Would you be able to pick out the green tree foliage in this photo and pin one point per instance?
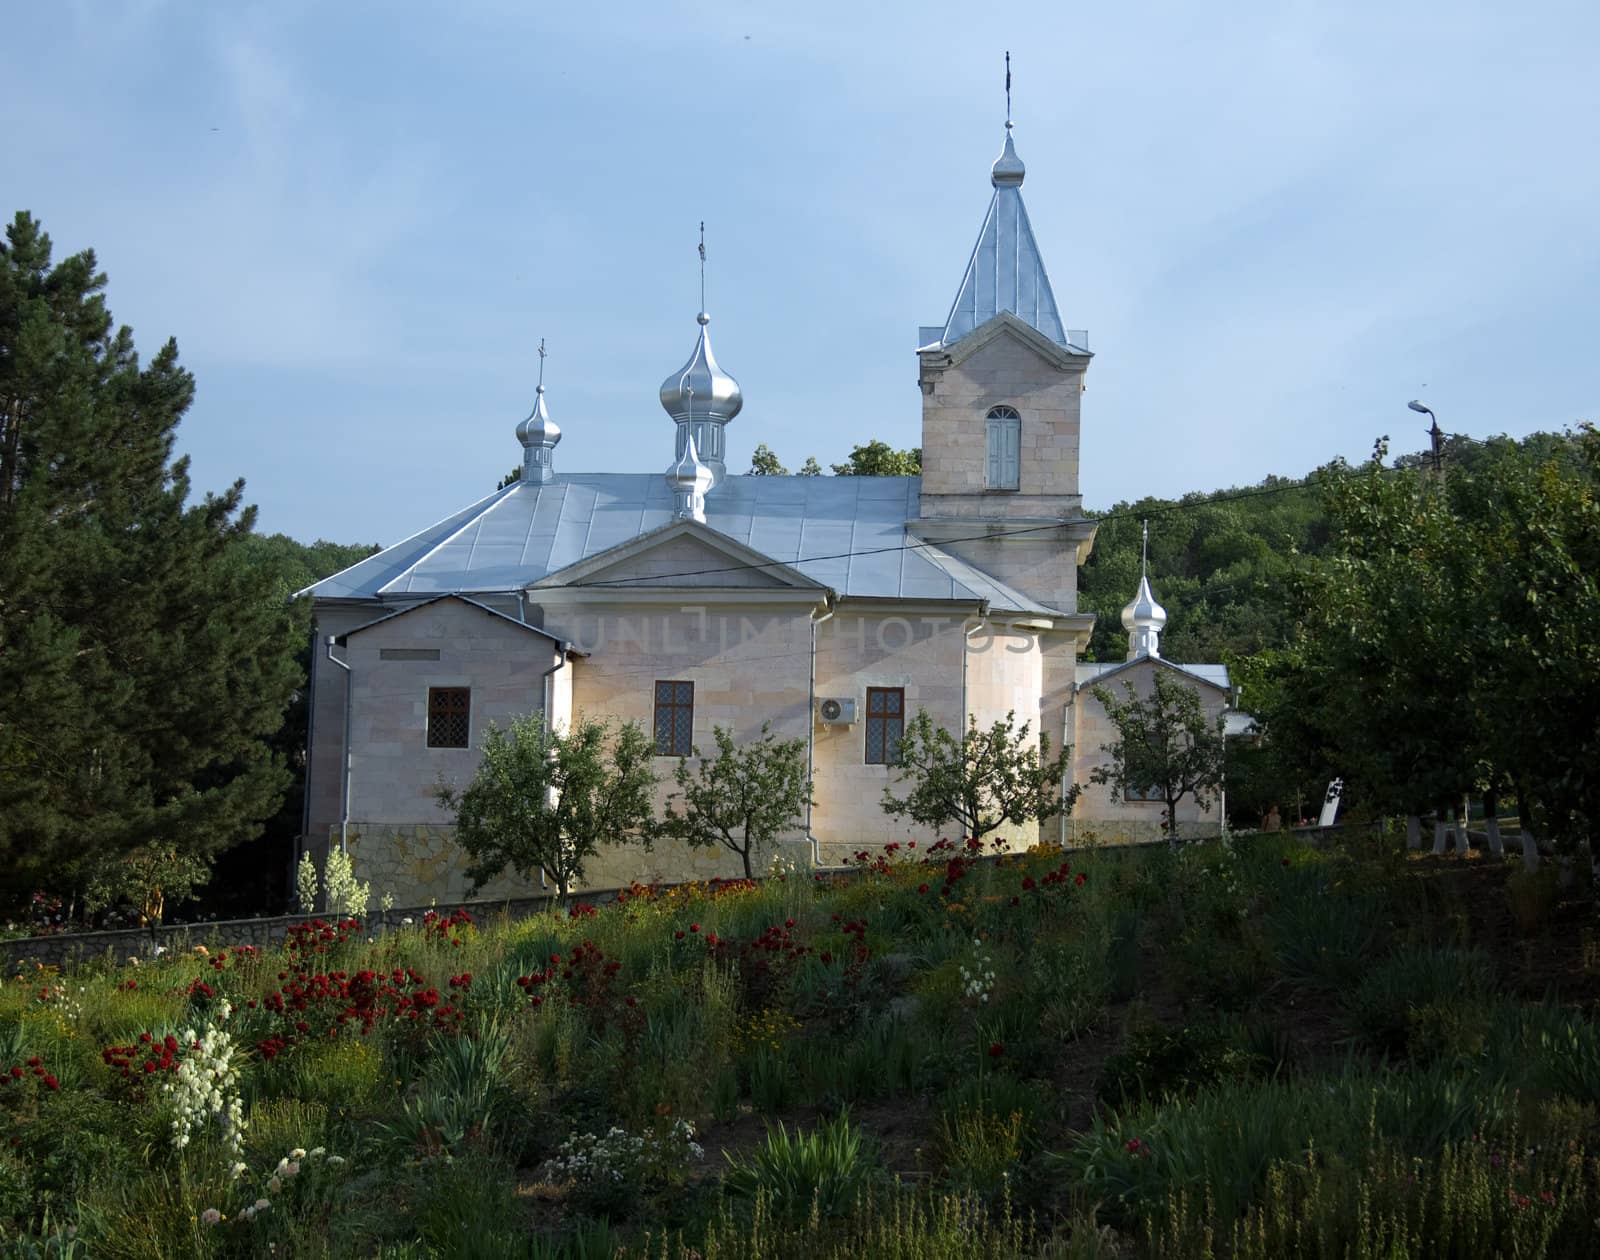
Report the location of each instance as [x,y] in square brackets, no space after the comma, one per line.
[983,780]
[764,463]
[549,799]
[1219,562]
[143,669]
[1164,743]
[1447,644]
[879,459]
[743,798]
[811,468]
[250,877]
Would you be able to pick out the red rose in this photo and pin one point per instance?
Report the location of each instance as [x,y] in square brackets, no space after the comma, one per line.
[996,1050]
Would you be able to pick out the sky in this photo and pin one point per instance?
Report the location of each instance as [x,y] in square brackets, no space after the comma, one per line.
[1278,221]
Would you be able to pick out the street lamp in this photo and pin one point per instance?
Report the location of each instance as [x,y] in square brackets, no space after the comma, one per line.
[1435,434]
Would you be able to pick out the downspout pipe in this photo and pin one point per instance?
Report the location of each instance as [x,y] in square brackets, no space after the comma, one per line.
[344,784]
[549,679]
[979,618]
[811,737]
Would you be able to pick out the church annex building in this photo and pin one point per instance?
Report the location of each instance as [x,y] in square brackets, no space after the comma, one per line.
[830,607]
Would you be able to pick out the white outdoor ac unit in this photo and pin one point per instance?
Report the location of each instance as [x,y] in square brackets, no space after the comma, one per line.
[836,710]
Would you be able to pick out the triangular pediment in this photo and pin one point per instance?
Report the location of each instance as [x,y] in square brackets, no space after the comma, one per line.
[1159,662]
[1007,326]
[682,554]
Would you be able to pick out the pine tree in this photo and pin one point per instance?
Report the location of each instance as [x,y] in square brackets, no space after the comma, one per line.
[143,666]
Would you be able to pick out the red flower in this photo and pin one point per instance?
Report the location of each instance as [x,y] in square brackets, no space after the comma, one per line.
[35,1061]
[827,957]
[996,1050]
[922,888]
[694,927]
[1080,880]
[17,1072]
[50,1082]
[678,935]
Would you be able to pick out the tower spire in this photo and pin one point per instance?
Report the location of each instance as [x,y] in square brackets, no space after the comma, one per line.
[1006,271]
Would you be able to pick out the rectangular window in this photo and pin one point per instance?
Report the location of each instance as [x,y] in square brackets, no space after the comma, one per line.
[449,711]
[674,719]
[886,722]
[408,654]
[1151,793]
[1003,465]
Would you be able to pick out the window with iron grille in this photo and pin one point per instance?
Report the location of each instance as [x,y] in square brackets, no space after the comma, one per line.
[886,722]
[674,719]
[449,711]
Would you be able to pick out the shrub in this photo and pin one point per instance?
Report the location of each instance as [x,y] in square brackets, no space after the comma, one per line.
[824,1172]
[1425,1000]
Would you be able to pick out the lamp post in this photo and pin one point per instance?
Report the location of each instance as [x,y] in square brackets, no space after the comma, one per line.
[1435,434]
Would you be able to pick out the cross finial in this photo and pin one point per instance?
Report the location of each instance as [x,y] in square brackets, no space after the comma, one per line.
[541,362]
[1008,90]
[702,264]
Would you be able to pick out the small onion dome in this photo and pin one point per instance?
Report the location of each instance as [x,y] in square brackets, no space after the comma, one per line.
[538,435]
[700,390]
[1008,169]
[1143,612]
[689,479]
[539,429]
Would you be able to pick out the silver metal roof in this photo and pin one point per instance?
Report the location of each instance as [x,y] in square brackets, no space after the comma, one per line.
[1006,271]
[846,533]
[1091,672]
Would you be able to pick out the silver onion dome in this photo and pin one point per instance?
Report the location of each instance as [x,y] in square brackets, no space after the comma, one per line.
[1143,619]
[700,386]
[689,479]
[1008,170]
[539,435]
[702,397]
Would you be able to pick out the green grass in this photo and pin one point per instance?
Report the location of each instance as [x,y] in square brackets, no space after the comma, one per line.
[1243,1049]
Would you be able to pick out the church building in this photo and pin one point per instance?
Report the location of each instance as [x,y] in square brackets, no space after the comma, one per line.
[832,608]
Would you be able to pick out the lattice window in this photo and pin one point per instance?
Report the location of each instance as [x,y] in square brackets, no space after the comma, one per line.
[886,722]
[449,716]
[674,719]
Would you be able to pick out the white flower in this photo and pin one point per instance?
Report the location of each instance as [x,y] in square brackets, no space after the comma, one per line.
[293,1169]
[238,1170]
[317,1152]
[335,1160]
[210,1217]
[261,1205]
[274,1186]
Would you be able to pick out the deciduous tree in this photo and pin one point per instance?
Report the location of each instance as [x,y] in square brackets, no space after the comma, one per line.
[1164,743]
[985,779]
[544,799]
[743,798]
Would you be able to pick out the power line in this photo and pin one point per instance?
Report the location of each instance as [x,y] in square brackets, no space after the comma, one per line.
[1221,496]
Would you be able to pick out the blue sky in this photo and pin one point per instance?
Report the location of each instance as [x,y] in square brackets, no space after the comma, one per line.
[1278,221]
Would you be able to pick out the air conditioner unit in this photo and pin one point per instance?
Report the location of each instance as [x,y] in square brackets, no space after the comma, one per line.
[836,711]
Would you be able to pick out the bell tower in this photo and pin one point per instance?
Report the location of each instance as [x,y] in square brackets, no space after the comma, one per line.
[1001,383]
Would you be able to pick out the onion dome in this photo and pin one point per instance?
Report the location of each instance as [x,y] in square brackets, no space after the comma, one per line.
[702,396]
[689,479]
[1143,619]
[1008,170]
[538,435]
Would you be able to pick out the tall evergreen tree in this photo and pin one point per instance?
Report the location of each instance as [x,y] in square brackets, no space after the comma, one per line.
[142,669]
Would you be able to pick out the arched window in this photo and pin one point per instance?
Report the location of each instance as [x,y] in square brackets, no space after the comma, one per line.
[1003,467]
